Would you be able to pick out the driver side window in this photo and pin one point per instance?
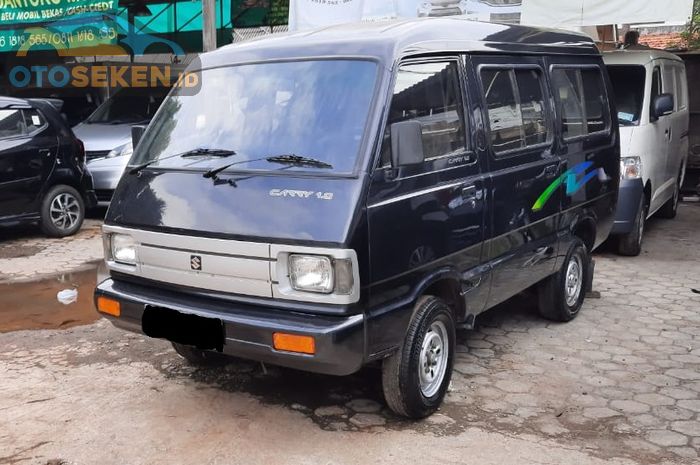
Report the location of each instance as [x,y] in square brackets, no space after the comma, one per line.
[430,94]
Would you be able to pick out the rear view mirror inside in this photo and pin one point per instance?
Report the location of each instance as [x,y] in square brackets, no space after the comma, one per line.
[406,144]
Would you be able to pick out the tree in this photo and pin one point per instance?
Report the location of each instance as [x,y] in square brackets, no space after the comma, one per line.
[691,34]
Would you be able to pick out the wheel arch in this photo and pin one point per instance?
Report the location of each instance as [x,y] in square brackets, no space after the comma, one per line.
[445,285]
[586,230]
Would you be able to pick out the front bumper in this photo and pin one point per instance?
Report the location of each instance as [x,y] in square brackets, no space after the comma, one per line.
[106,172]
[339,341]
[631,193]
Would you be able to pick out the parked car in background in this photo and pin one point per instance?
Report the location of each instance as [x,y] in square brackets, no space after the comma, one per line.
[107,134]
[651,94]
[331,211]
[78,103]
[441,7]
[43,177]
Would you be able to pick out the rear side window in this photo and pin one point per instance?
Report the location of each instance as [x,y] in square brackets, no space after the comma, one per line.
[11,123]
[33,120]
[516,109]
[430,94]
[582,101]
[681,88]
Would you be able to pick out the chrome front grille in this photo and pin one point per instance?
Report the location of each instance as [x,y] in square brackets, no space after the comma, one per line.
[219,265]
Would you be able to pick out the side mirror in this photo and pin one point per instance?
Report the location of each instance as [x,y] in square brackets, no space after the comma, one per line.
[136,134]
[406,144]
[662,105]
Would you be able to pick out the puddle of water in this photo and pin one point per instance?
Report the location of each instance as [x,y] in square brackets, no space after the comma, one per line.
[34,305]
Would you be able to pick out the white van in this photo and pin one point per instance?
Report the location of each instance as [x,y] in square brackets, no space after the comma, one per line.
[651,95]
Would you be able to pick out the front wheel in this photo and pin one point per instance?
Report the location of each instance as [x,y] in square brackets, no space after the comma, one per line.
[416,377]
[62,211]
[630,244]
[561,295]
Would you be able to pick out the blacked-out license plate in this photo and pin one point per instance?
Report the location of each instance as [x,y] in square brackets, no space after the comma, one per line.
[183,328]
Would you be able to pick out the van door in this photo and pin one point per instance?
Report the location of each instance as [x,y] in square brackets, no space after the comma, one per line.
[522,241]
[588,141]
[658,142]
[678,145]
[426,218]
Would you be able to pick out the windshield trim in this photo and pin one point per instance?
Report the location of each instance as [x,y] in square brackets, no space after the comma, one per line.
[365,149]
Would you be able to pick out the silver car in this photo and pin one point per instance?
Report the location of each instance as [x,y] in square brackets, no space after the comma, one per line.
[107,135]
[441,8]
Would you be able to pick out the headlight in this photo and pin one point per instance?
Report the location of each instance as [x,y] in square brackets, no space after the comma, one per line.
[311,273]
[123,249]
[122,151]
[630,168]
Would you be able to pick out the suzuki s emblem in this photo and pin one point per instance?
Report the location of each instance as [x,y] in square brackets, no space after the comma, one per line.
[196,262]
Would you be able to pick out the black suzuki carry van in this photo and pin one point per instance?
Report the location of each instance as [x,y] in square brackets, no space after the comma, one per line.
[354,195]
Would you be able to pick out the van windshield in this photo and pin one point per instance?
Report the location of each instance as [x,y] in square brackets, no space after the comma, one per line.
[270,115]
[628,84]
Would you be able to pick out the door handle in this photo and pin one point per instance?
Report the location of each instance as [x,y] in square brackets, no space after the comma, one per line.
[469,193]
[551,171]
[544,251]
[45,151]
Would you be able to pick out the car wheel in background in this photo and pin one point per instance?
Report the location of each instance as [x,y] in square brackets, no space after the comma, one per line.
[62,211]
[561,295]
[630,244]
[416,377]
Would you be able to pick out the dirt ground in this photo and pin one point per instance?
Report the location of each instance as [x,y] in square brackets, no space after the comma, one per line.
[619,385]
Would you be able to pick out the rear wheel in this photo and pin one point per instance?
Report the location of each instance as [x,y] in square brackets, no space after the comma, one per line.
[62,211]
[199,357]
[630,244]
[561,295]
[416,377]
[670,208]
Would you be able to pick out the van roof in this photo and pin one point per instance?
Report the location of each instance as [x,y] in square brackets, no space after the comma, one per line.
[637,57]
[388,40]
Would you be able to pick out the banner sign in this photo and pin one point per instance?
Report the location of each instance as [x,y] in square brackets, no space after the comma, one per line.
[257,13]
[577,13]
[55,24]
[308,14]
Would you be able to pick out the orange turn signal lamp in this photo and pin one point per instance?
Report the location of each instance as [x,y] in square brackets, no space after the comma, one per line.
[109,306]
[294,343]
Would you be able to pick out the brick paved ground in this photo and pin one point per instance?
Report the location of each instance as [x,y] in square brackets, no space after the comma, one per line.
[620,384]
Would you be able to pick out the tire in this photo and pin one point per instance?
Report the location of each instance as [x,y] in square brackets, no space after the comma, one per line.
[408,392]
[562,294]
[670,208]
[630,244]
[62,211]
[200,358]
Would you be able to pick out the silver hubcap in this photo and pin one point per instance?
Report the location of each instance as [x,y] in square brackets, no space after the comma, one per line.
[64,211]
[433,359]
[574,280]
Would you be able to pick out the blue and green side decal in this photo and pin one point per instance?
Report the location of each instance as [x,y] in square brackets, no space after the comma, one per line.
[570,178]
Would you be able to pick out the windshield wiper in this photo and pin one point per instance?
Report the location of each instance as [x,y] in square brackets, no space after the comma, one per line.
[294,160]
[198,152]
[299,160]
